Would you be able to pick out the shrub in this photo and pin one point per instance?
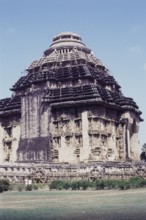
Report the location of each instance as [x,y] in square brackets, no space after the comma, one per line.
[75,185]
[28,188]
[35,186]
[121,185]
[111,184]
[66,185]
[59,184]
[99,184]
[143,182]
[20,188]
[84,184]
[127,184]
[56,184]
[1,188]
[136,182]
[5,184]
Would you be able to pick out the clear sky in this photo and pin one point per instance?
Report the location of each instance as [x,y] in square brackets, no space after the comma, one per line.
[114,29]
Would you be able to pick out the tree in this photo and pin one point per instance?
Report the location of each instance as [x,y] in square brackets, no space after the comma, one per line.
[143,154]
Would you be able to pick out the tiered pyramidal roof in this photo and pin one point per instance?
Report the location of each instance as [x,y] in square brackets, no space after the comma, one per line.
[77,75]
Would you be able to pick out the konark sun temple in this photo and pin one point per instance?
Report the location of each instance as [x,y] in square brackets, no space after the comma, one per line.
[67,117]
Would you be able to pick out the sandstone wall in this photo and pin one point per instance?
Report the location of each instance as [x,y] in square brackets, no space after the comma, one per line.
[9,139]
[132,135]
[16,172]
[88,134]
[34,141]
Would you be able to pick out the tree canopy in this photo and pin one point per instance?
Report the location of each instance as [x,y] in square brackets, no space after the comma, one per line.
[143,154]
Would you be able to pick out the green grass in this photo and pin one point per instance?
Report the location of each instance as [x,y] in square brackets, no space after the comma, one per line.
[73,205]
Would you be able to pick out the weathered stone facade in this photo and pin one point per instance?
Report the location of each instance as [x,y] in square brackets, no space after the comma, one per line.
[68,109]
[42,173]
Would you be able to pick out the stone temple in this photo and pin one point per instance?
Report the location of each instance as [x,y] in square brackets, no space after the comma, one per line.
[68,109]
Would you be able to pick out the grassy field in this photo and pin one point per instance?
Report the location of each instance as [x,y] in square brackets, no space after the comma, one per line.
[77,205]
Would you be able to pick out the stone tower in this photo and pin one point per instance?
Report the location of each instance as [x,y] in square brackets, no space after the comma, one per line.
[68,108]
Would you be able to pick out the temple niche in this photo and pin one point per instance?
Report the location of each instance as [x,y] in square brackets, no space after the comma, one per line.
[68,108]
[9,138]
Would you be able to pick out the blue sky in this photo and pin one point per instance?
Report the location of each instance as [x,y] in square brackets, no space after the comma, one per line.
[114,29]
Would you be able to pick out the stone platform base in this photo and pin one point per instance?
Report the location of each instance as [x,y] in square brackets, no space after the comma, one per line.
[42,173]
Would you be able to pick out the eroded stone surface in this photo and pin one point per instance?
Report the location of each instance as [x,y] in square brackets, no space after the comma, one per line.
[68,109]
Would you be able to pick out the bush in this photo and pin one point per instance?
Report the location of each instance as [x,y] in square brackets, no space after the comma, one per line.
[99,184]
[66,185]
[20,188]
[35,186]
[59,185]
[75,185]
[56,184]
[127,184]
[84,184]
[28,188]
[111,184]
[1,188]
[121,184]
[5,184]
[143,182]
[136,182]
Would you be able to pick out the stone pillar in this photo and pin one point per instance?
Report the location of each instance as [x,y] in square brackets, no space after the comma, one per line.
[85,151]
[1,143]
[128,139]
[15,143]
[134,141]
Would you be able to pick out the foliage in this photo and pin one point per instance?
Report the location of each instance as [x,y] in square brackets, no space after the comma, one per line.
[5,184]
[143,154]
[1,188]
[28,188]
[122,184]
[111,184]
[84,184]
[56,184]
[75,185]
[144,147]
[99,184]
[35,186]
[137,182]
[20,187]
[66,185]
